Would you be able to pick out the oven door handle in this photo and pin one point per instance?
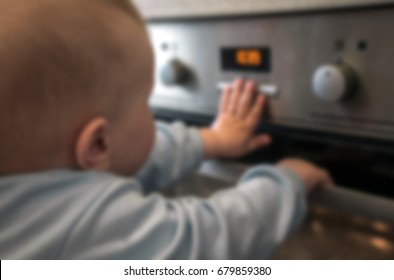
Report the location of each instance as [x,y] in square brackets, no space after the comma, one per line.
[343,199]
[355,202]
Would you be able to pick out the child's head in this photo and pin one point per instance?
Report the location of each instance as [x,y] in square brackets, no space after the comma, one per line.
[75,77]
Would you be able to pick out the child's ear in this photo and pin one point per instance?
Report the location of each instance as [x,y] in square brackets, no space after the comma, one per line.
[92,150]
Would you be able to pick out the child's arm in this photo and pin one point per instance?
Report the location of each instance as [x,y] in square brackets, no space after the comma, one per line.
[246,222]
[179,150]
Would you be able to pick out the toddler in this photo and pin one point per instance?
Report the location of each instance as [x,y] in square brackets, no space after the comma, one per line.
[81,160]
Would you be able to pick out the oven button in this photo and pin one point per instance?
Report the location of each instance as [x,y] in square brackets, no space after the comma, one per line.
[174,72]
[334,83]
[270,90]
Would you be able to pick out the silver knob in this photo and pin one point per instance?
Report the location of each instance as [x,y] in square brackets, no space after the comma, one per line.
[174,72]
[333,83]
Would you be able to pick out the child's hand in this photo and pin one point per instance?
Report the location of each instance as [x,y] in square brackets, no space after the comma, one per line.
[232,134]
[312,176]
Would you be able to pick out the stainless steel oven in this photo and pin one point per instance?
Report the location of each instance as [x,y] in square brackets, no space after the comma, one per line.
[326,66]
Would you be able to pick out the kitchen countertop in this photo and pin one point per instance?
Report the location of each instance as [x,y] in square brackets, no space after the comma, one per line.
[325,233]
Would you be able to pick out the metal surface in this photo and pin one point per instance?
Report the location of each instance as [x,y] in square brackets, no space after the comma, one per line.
[300,44]
[162,9]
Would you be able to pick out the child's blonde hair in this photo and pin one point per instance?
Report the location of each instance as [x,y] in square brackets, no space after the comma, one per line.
[59,61]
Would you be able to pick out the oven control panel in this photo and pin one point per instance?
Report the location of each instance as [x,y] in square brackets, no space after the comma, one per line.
[322,71]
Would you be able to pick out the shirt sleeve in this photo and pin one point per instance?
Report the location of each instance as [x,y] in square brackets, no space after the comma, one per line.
[246,222]
[178,151]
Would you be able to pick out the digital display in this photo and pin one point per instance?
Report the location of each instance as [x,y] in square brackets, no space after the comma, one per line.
[246,59]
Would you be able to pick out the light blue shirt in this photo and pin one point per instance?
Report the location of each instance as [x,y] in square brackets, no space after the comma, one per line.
[64,214]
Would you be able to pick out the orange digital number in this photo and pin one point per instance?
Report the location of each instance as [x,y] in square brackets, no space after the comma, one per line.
[249,57]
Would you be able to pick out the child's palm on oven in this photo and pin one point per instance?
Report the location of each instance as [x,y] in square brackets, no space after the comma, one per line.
[233,132]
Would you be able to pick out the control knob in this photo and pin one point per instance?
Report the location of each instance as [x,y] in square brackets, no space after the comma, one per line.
[334,83]
[174,72]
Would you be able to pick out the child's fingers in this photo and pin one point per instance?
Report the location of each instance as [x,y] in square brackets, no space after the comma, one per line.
[327,180]
[259,141]
[256,111]
[246,100]
[225,99]
[236,95]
